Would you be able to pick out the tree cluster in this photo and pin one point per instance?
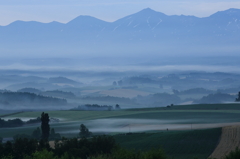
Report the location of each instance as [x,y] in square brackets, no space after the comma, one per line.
[30,149]
[94,107]
[37,146]
[11,123]
[73,148]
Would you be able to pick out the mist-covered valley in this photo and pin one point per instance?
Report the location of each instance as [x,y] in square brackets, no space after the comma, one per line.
[70,89]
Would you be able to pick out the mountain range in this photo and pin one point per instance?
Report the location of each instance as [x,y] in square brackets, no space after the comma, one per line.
[143,33]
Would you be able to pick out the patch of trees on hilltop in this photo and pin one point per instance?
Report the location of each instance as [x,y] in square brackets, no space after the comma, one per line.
[158,99]
[58,93]
[17,122]
[193,91]
[96,107]
[109,99]
[24,98]
[52,93]
[30,90]
[216,98]
[11,123]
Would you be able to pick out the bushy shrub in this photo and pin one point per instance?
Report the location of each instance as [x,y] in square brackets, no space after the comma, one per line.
[234,154]
[44,154]
[132,154]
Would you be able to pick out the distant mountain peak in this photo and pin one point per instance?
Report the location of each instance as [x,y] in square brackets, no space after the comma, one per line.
[233,10]
[83,19]
[229,12]
[147,11]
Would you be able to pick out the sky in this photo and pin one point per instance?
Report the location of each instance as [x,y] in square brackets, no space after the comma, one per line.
[108,10]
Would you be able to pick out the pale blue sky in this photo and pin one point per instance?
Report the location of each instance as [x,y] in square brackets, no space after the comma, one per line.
[108,10]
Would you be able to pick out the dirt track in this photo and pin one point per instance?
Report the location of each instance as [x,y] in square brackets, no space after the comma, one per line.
[230,139]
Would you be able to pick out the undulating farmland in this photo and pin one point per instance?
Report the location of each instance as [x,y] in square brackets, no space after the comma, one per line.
[134,120]
[182,131]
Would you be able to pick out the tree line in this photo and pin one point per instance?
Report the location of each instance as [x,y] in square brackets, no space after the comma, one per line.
[95,147]
[96,107]
[17,98]
[17,122]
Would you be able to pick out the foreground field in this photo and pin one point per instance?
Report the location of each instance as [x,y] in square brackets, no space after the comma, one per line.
[176,144]
[182,131]
[134,120]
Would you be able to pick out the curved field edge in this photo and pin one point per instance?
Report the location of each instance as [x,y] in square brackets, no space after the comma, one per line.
[176,144]
[230,139]
[125,119]
[90,115]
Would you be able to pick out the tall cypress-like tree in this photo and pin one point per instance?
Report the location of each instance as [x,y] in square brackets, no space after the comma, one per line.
[45,126]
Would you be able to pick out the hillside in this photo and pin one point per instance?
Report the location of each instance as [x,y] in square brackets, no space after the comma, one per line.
[20,100]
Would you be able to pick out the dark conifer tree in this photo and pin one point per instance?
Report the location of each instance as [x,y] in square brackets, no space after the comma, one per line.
[45,126]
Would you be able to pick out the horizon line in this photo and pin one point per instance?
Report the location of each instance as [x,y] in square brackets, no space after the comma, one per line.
[114,20]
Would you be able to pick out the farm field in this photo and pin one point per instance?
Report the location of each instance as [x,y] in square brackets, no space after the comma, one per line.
[134,120]
[229,141]
[7,112]
[176,144]
[227,106]
[182,131]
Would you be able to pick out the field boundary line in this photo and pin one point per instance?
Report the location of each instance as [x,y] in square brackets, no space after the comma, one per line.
[230,139]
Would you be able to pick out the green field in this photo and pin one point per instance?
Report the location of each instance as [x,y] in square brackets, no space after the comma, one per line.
[176,144]
[182,131]
[229,106]
[138,120]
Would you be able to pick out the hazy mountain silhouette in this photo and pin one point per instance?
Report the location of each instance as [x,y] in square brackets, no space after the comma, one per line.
[145,31]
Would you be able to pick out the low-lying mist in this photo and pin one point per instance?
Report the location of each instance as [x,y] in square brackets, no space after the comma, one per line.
[139,125]
[65,84]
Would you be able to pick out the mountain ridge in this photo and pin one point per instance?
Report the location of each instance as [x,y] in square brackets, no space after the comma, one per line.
[145,9]
[141,32]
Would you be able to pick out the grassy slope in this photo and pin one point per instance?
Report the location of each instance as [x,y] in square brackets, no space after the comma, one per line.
[228,106]
[176,144]
[76,115]
[187,114]
[187,117]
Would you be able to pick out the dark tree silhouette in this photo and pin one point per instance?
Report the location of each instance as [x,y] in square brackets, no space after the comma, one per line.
[54,136]
[84,132]
[238,99]
[36,134]
[45,126]
[117,106]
